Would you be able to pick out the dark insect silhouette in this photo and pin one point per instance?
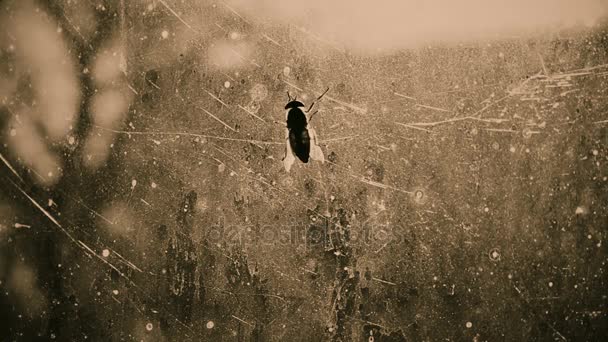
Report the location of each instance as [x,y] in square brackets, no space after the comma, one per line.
[301,138]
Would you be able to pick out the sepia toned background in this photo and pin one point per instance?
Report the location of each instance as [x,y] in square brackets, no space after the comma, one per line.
[463,197]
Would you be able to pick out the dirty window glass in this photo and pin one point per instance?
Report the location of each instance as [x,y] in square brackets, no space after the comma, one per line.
[178,170]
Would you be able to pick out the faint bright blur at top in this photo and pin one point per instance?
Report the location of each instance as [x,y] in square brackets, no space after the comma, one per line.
[370,26]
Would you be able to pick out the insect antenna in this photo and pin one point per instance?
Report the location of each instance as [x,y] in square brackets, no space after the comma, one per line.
[318,98]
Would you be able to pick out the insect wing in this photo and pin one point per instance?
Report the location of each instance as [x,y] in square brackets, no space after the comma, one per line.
[289,158]
[315,150]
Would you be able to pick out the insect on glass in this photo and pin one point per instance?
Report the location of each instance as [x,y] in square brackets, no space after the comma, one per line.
[300,137]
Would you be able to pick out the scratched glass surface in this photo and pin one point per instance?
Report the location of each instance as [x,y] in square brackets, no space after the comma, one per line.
[460,192]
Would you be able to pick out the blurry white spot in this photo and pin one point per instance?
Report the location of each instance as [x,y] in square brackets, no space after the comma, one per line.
[221,168]
[50,174]
[11,47]
[486,209]
[512,149]
[527,150]
[133,184]
[580,210]
[419,196]
[227,84]
[71,140]
[494,255]
[19,225]
[117,218]
[232,54]
[109,63]
[235,35]
[21,283]
[286,71]
[13,132]
[595,152]
[165,34]
[469,325]
[258,92]
[153,185]
[149,326]
[30,147]
[232,173]
[105,253]
[435,278]
[501,55]
[550,284]
[589,236]
[108,108]
[253,106]
[510,276]
[115,292]
[210,325]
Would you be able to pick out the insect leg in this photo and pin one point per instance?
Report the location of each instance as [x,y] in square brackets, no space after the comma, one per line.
[318,98]
[311,115]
